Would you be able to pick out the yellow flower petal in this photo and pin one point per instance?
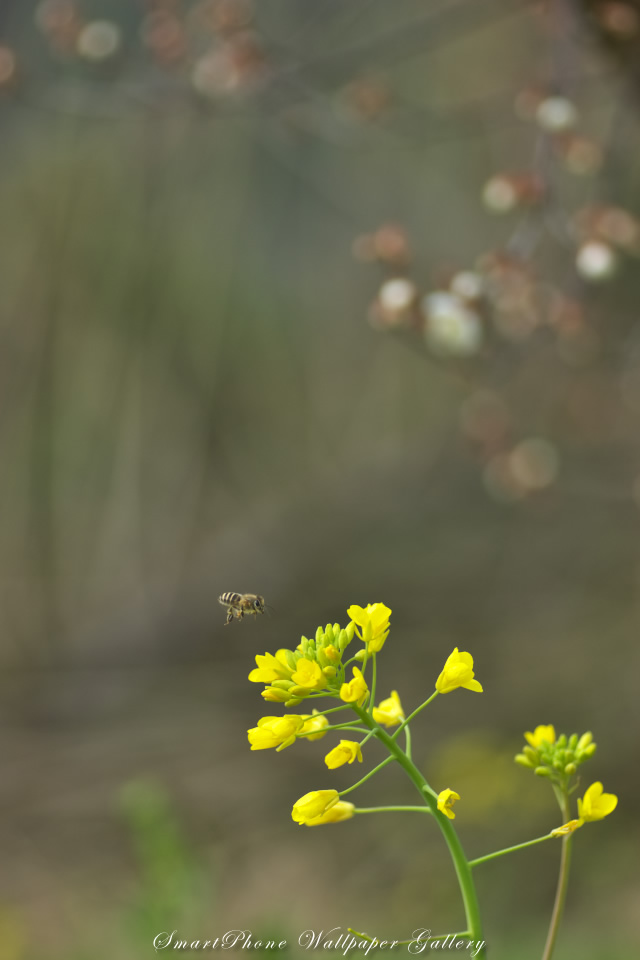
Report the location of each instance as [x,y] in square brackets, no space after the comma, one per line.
[342,810]
[446,799]
[314,727]
[541,734]
[458,672]
[278,732]
[389,712]
[313,805]
[595,805]
[373,624]
[356,690]
[308,675]
[566,828]
[346,752]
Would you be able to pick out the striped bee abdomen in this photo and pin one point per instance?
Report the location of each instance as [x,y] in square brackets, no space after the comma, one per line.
[229,598]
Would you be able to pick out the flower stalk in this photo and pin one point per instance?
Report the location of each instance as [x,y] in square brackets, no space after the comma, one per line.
[317,667]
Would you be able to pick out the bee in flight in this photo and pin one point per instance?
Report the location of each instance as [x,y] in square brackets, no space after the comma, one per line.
[238,604]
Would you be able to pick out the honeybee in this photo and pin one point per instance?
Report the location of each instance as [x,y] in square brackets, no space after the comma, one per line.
[238,604]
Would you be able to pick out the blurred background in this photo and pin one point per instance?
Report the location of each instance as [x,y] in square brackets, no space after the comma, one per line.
[336,303]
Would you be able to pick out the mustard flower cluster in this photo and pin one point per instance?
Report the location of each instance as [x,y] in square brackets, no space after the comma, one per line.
[315,665]
[317,668]
[558,759]
[555,758]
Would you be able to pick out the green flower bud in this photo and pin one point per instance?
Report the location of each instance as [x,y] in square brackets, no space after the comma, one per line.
[573,741]
[328,634]
[523,761]
[558,764]
[351,629]
[343,641]
[585,740]
[291,659]
[319,633]
[299,692]
[322,658]
[282,684]
[570,769]
[336,629]
[329,671]
[360,655]
[590,750]
[569,756]
[543,772]
[561,741]
[293,702]
[532,754]
[304,646]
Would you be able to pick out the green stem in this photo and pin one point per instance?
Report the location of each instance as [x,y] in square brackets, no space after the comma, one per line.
[407,742]
[336,726]
[461,865]
[394,809]
[414,714]
[374,679]
[323,713]
[500,853]
[563,882]
[368,775]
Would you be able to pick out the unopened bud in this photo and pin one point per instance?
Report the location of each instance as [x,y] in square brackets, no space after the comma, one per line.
[523,761]
[360,655]
[585,740]
[273,695]
[543,772]
[570,769]
[292,663]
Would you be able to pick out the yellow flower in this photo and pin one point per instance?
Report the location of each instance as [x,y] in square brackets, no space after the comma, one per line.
[389,711]
[356,690]
[313,805]
[342,810]
[373,621]
[308,675]
[446,799]
[540,735]
[595,804]
[279,732]
[314,727]
[567,828]
[271,668]
[458,672]
[346,752]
